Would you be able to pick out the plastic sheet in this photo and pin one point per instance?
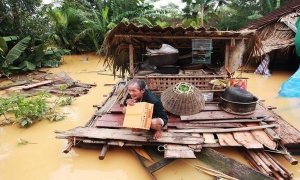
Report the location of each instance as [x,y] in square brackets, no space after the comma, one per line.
[165,49]
[290,88]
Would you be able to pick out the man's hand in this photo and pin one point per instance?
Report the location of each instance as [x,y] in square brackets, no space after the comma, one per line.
[130,102]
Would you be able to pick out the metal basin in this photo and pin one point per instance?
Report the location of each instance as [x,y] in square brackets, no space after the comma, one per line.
[238,107]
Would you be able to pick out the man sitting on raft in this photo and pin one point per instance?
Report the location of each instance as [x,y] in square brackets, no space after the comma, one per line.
[138,93]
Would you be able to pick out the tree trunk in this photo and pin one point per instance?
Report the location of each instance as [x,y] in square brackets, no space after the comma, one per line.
[16,16]
[202,14]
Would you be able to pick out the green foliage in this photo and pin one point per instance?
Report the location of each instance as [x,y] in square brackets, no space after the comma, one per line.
[6,104]
[22,57]
[27,111]
[17,50]
[22,142]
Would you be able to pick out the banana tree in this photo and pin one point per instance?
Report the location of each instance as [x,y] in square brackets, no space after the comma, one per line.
[21,57]
[7,61]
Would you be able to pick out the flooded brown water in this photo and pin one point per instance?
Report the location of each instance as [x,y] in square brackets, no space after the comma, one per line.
[45,160]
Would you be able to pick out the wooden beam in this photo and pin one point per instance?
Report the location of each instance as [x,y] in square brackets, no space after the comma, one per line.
[229,166]
[140,159]
[219,130]
[129,135]
[160,164]
[37,84]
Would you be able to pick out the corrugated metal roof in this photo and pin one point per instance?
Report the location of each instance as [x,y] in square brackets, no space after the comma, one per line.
[275,15]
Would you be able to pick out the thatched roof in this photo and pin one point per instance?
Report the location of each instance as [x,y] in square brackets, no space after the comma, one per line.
[116,44]
[276,30]
[273,16]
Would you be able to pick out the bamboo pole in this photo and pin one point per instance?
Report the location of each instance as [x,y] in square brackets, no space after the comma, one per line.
[262,164]
[277,175]
[265,160]
[291,175]
[274,165]
[253,163]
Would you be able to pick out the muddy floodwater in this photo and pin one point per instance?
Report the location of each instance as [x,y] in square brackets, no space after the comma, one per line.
[43,159]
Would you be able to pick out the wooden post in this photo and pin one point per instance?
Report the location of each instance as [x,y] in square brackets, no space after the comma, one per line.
[227,56]
[131,68]
[103,151]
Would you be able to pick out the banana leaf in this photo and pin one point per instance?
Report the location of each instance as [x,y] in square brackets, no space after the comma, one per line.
[27,66]
[11,38]
[3,45]
[17,50]
[40,52]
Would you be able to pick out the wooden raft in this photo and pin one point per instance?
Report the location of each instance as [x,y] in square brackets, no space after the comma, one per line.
[217,122]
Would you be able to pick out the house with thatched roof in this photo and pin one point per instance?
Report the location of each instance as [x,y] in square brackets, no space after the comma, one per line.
[276,31]
[203,54]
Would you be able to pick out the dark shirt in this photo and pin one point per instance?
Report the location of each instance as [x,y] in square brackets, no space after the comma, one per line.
[158,110]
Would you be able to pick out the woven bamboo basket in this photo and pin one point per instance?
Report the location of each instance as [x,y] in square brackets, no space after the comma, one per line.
[183,99]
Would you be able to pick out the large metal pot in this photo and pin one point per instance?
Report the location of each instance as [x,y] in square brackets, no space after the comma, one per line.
[237,94]
[238,107]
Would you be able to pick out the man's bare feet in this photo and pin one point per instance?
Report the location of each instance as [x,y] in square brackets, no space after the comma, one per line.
[157,134]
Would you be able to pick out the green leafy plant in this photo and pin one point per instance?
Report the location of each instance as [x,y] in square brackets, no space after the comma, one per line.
[29,110]
[66,101]
[5,106]
[22,142]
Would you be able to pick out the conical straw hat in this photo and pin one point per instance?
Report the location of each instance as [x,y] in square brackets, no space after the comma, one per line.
[183,99]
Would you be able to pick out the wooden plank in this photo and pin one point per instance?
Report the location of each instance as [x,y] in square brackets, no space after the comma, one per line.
[37,84]
[226,139]
[229,166]
[205,115]
[211,107]
[220,130]
[10,85]
[141,160]
[178,151]
[111,117]
[160,164]
[209,138]
[186,124]
[127,134]
[231,120]
[116,108]
[112,124]
[262,137]
[246,139]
